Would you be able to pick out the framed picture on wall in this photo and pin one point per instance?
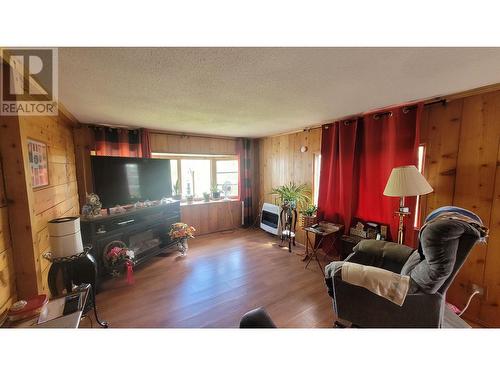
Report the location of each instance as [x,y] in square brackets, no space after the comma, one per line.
[39,167]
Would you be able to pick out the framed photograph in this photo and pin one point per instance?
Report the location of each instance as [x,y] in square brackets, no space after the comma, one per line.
[39,167]
[383,231]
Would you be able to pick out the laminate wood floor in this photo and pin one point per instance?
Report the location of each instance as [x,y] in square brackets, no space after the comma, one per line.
[223,276]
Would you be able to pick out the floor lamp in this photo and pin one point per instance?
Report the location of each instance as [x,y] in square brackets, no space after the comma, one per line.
[404,182]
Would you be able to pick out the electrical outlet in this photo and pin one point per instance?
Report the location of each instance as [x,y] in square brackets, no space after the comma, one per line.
[476,288]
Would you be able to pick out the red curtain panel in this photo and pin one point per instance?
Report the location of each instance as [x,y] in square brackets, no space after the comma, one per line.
[117,142]
[388,140]
[145,143]
[338,179]
[245,148]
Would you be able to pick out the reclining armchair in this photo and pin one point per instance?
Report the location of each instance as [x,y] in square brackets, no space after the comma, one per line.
[444,247]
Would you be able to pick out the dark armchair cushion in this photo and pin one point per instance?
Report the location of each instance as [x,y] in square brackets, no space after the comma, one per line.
[387,255]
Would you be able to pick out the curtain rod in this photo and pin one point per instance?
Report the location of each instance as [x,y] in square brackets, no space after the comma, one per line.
[442,101]
[406,109]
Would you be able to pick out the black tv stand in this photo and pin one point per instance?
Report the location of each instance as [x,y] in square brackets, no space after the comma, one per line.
[144,230]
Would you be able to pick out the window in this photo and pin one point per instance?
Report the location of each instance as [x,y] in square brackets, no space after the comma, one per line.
[197,174]
[421,158]
[195,177]
[316,171]
[227,171]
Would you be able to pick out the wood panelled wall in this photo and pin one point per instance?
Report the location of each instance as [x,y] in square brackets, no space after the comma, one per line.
[213,216]
[7,272]
[31,209]
[192,144]
[281,161]
[462,164]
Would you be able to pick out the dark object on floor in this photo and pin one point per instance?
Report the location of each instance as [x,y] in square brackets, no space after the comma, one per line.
[257,318]
[348,242]
[445,245]
[75,271]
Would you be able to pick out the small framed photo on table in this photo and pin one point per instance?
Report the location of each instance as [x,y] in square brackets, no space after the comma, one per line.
[39,167]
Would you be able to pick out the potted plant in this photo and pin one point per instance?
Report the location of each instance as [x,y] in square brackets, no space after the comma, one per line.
[215,192]
[181,232]
[206,197]
[292,195]
[309,216]
[177,190]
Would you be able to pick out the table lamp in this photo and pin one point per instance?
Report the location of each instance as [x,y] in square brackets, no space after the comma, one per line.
[403,182]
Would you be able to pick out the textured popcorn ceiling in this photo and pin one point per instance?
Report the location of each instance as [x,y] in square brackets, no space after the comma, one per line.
[256,92]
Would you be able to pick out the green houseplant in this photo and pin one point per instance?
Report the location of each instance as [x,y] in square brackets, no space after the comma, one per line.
[215,192]
[309,216]
[293,195]
[310,210]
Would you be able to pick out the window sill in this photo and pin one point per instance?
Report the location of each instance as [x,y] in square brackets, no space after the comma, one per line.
[202,202]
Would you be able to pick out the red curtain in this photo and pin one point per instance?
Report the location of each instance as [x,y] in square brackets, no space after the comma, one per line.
[245,149]
[117,142]
[145,143]
[357,158]
[388,140]
[339,144]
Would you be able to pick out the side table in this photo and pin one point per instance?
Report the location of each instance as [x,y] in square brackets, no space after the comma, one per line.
[323,230]
[64,311]
[75,270]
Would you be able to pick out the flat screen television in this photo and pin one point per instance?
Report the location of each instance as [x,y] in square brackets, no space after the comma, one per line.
[121,180]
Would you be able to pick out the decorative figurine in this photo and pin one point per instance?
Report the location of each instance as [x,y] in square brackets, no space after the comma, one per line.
[92,207]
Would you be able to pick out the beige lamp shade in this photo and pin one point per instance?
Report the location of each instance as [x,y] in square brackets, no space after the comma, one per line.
[406,181]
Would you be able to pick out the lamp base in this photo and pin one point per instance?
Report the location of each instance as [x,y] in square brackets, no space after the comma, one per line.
[401,227]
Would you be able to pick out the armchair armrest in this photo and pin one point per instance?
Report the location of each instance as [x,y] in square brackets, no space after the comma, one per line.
[387,255]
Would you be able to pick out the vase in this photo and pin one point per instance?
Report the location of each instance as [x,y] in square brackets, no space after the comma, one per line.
[182,246]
